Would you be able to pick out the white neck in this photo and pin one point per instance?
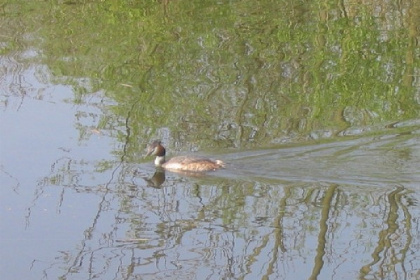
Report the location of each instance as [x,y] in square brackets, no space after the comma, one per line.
[159,160]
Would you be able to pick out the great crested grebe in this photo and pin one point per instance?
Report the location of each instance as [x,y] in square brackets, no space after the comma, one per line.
[182,163]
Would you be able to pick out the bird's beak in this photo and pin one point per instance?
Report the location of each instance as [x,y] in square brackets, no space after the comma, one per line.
[149,151]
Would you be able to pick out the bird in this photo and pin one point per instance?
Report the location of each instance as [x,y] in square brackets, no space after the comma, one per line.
[182,163]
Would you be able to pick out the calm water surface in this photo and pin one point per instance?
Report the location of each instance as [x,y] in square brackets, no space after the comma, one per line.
[344,209]
[315,188]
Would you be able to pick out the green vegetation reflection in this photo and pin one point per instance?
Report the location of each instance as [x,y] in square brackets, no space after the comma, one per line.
[237,73]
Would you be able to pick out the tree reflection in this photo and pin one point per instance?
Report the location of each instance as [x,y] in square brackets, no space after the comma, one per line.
[214,227]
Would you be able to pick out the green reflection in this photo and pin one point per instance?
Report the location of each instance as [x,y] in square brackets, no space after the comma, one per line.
[232,73]
[236,72]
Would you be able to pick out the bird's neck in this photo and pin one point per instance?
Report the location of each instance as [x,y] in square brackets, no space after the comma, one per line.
[159,160]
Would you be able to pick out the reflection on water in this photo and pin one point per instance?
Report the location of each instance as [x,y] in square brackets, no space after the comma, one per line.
[348,207]
[231,228]
[307,107]
[157,179]
[268,215]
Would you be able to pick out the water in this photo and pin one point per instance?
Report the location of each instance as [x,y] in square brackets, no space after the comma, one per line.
[347,207]
[315,188]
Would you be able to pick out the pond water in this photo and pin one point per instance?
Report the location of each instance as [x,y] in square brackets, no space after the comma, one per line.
[320,132]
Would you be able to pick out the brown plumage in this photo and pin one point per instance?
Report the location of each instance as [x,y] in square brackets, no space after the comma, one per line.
[182,163]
